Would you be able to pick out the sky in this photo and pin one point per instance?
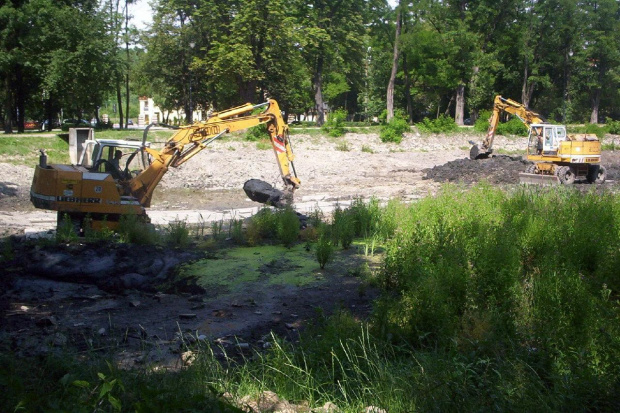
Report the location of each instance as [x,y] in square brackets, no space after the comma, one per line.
[142,13]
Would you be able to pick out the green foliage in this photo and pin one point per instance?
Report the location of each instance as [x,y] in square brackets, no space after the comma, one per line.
[334,126]
[513,127]
[324,250]
[67,230]
[177,234]
[394,129]
[343,227]
[613,127]
[482,123]
[235,230]
[440,125]
[287,226]
[133,230]
[262,226]
[257,133]
[597,130]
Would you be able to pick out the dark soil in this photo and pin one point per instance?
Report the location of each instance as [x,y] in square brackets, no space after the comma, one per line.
[500,169]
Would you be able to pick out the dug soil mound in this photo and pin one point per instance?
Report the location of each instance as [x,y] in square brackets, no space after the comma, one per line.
[500,169]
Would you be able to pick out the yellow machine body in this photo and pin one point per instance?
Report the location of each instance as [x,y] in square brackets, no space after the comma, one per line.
[99,190]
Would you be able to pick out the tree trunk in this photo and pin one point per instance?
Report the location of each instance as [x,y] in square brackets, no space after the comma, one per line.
[20,99]
[408,90]
[127,68]
[8,107]
[392,81]
[119,99]
[459,111]
[596,101]
[317,83]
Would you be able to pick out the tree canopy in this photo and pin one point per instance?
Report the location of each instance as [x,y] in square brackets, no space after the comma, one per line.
[450,57]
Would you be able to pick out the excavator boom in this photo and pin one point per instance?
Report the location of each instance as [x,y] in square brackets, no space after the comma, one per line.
[500,104]
[85,190]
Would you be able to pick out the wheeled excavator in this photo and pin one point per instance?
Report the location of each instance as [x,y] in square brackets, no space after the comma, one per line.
[96,189]
[556,156]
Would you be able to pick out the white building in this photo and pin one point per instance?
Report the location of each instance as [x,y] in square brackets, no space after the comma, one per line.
[150,113]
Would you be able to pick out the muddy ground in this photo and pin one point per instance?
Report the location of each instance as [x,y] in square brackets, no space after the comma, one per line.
[129,300]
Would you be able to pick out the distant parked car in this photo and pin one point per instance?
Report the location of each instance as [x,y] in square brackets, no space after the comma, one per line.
[77,122]
[130,122]
[467,121]
[55,124]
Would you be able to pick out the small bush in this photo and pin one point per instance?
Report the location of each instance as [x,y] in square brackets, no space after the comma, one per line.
[343,146]
[263,225]
[235,230]
[613,127]
[482,123]
[257,133]
[343,228]
[177,234]
[394,129]
[597,130]
[440,125]
[288,226]
[513,127]
[324,250]
[334,126]
[133,230]
[66,230]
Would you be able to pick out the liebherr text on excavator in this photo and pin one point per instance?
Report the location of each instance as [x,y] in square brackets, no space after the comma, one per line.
[95,188]
[556,156]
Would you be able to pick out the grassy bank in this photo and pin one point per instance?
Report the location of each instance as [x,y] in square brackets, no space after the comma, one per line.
[491,300]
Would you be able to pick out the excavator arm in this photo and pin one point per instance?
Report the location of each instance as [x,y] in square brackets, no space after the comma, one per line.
[500,104]
[190,140]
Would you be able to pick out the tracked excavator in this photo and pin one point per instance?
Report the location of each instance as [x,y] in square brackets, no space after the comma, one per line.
[100,189]
[555,156]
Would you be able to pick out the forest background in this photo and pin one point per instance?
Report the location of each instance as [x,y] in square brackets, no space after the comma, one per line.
[424,58]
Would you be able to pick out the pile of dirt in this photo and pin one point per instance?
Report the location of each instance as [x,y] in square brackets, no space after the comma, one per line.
[500,169]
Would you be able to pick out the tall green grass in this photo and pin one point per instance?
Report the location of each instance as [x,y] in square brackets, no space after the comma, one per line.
[491,301]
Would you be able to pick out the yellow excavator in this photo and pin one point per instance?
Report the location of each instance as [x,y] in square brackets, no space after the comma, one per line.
[556,156]
[102,186]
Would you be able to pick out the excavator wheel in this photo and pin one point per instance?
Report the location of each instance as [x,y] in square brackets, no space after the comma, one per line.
[566,175]
[596,174]
[530,169]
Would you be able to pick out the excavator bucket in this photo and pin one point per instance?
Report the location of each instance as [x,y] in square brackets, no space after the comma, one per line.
[476,152]
[264,193]
[538,179]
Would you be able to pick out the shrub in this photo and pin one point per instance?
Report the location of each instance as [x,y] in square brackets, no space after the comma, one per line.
[257,133]
[177,234]
[287,226]
[335,123]
[263,225]
[343,228]
[513,127]
[235,230]
[613,127]
[440,125]
[597,130]
[133,230]
[66,230]
[482,123]
[324,250]
[394,129]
